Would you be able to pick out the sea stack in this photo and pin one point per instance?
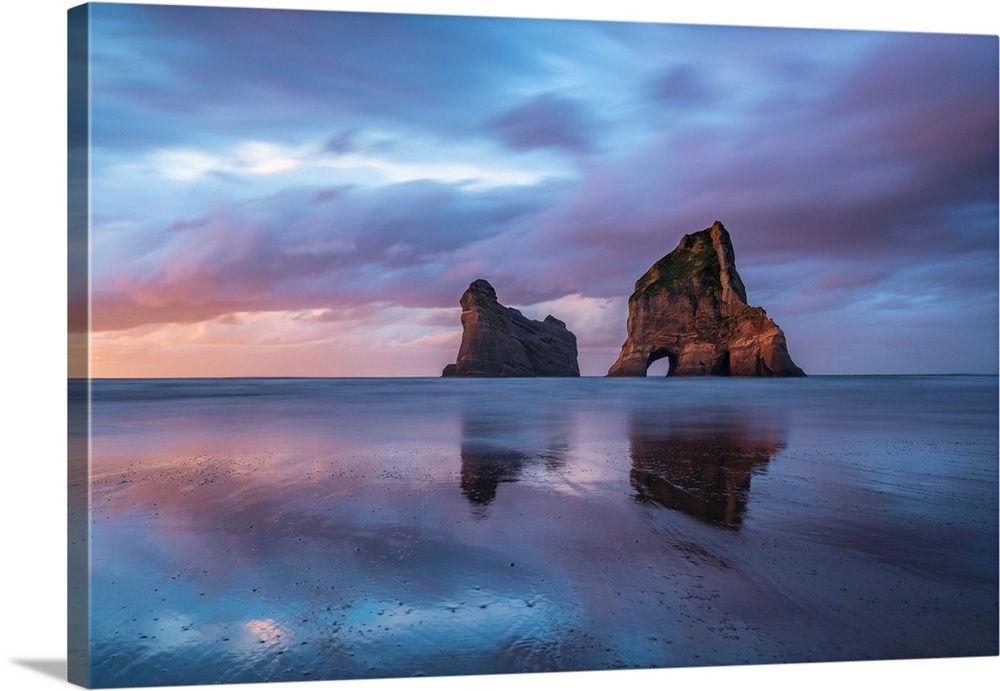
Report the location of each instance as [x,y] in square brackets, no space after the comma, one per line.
[691,307]
[499,341]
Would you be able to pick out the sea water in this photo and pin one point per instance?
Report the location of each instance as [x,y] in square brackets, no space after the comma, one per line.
[246,530]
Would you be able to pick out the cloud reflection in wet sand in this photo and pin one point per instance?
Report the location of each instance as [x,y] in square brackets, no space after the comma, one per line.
[282,530]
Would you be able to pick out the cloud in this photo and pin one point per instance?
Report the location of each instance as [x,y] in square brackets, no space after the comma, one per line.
[276,162]
[808,179]
[342,143]
[302,249]
[359,340]
[598,323]
[261,158]
[159,69]
[246,158]
[548,121]
[683,86]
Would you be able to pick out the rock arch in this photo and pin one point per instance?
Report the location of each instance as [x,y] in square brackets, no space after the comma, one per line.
[658,354]
[692,306]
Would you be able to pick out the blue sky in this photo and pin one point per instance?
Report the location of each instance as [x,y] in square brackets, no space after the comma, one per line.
[309,193]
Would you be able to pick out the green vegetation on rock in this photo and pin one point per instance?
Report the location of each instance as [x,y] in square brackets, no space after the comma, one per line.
[694,257]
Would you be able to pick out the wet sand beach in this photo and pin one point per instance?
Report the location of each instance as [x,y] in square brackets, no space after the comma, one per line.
[269,530]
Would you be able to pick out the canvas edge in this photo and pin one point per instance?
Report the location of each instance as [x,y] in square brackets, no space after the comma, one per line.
[78,344]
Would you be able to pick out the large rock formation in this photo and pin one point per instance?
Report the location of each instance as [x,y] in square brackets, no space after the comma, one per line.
[691,307]
[499,341]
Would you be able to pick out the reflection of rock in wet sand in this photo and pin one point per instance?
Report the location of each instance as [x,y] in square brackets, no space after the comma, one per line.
[702,468]
[483,471]
[498,445]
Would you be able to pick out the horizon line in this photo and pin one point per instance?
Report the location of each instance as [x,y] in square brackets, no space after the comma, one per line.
[584,376]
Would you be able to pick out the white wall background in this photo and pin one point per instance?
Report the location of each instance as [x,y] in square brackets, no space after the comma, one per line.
[32,338]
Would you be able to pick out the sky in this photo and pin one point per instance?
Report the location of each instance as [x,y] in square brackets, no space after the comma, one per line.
[302,193]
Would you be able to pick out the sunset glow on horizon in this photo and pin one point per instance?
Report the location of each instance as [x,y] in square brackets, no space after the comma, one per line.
[300,193]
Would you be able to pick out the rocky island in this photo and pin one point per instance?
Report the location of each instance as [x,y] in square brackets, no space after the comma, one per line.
[691,307]
[499,341]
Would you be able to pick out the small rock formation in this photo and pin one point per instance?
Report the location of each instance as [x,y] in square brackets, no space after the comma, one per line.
[691,307]
[499,341]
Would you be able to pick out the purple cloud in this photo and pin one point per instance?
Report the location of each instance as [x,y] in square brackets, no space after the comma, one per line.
[548,121]
[683,86]
[856,172]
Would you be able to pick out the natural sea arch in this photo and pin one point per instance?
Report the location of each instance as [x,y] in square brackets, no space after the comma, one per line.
[661,363]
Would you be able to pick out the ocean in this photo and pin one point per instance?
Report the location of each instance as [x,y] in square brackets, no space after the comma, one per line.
[250,530]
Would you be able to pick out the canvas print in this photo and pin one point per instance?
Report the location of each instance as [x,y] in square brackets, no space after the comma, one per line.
[410,345]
